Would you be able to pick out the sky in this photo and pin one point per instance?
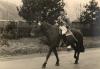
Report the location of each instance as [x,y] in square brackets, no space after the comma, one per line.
[72,7]
[17,2]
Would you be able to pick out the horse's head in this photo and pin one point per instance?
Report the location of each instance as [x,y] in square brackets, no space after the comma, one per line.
[42,27]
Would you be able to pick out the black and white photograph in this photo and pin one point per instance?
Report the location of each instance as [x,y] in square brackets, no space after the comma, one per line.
[49,34]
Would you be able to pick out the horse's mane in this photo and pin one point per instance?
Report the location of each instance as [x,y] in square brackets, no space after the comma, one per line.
[51,32]
[47,26]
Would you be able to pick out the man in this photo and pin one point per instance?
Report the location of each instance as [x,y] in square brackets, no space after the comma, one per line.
[67,35]
[65,30]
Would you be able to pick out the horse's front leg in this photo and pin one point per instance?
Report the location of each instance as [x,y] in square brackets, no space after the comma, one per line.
[56,54]
[77,57]
[47,57]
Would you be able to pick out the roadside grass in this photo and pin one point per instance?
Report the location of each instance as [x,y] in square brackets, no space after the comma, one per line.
[26,46]
[92,42]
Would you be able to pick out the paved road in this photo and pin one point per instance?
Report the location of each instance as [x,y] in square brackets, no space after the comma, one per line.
[88,60]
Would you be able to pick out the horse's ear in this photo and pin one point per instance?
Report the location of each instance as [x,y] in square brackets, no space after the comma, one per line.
[39,23]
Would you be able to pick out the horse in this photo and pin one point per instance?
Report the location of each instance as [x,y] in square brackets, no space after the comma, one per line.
[53,38]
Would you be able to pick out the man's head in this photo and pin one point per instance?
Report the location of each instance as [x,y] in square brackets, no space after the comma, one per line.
[61,23]
[62,11]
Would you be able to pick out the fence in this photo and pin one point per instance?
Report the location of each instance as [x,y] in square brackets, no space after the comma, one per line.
[15,29]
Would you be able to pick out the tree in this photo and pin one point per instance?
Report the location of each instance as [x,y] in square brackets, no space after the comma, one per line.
[88,16]
[41,10]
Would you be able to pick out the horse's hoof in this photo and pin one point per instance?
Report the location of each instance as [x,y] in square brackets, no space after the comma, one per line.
[57,64]
[44,66]
[76,63]
[75,57]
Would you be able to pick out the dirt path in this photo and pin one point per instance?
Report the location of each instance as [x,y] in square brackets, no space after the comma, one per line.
[88,60]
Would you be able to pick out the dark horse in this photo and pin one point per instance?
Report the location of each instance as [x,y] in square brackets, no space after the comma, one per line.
[53,37]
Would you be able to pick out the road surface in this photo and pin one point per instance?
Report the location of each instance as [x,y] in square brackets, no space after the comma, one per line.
[88,60]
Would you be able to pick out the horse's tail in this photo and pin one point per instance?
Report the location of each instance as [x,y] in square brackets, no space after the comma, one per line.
[80,46]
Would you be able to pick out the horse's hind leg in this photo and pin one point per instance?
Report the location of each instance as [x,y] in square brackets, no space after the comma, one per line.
[56,54]
[74,47]
[76,54]
[77,57]
[47,57]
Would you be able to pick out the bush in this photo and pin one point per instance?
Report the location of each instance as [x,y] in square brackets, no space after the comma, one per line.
[15,30]
[10,30]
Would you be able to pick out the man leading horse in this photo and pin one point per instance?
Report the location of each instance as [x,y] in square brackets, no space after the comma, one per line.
[52,34]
